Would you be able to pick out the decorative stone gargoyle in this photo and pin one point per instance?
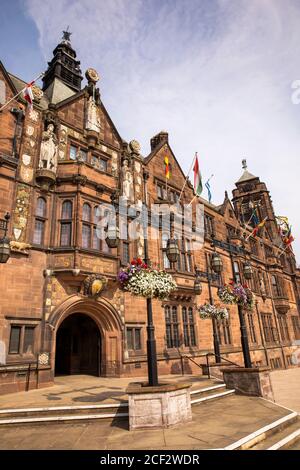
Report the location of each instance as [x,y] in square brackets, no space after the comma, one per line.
[20,247]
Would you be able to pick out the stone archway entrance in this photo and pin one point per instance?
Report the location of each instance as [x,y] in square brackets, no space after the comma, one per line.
[78,346]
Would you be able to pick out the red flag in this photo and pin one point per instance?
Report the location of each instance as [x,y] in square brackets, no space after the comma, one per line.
[28,95]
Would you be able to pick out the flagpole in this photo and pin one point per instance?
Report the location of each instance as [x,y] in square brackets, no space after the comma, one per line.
[247,238]
[281,252]
[187,177]
[196,195]
[250,218]
[14,97]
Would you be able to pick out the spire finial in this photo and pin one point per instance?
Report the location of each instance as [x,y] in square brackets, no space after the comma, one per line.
[66,35]
[244,164]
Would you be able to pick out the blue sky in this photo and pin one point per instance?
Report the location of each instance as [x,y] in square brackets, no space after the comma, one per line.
[216,74]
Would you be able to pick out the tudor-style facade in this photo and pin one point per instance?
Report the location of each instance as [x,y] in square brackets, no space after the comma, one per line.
[59,163]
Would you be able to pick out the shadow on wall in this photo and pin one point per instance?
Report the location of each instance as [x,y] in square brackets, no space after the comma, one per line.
[178,366]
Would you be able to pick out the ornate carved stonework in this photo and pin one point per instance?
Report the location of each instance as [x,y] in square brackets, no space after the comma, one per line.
[94,284]
[127,181]
[48,153]
[20,247]
[62,261]
[21,212]
[26,159]
[92,116]
[33,115]
[37,93]
[44,359]
[135,147]
[114,163]
[26,174]
[62,146]
[92,75]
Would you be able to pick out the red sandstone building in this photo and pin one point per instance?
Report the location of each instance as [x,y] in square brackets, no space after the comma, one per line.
[59,162]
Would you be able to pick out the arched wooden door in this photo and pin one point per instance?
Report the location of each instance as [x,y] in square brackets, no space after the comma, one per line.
[78,346]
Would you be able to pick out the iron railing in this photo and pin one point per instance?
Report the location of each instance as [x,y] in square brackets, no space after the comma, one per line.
[207,355]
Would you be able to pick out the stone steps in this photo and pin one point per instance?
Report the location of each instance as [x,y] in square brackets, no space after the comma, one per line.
[274,436]
[282,438]
[79,413]
[17,416]
[213,392]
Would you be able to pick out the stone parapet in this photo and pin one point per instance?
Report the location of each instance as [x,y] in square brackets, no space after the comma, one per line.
[215,369]
[254,382]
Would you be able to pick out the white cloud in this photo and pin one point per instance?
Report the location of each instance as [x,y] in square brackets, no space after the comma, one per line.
[216,74]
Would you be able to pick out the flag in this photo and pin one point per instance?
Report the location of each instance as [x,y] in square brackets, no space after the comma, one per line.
[289,241]
[197,177]
[167,168]
[254,217]
[260,225]
[288,237]
[207,185]
[28,95]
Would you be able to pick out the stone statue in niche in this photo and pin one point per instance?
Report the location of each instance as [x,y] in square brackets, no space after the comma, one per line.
[127,185]
[93,118]
[48,153]
[262,285]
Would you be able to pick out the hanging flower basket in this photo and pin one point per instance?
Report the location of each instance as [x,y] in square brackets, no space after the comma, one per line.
[212,311]
[235,293]
[141,280]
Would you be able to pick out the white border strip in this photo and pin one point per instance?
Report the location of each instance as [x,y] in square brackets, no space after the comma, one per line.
[255,434]
[61,418]
[285,440]
[210,397]
[207,389]
[63,408]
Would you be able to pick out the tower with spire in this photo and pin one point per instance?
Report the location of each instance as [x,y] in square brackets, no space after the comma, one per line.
[251,193]
[63,77]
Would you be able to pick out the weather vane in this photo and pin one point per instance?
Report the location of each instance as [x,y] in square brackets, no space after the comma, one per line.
[66,34]
[244,164]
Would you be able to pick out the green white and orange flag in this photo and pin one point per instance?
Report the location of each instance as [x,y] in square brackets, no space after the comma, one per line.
[197,177]
[167,168]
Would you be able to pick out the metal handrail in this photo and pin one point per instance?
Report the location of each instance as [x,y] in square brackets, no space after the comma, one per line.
[207,362]
[224,359]
[192,360]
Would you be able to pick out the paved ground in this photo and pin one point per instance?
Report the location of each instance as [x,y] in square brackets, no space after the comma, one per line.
[215,425]
[87,390]
[286,387]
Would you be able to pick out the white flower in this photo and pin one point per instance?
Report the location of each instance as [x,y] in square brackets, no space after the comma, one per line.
[212,311]
[151,284]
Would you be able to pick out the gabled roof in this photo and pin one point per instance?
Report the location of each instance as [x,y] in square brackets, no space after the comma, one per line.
[156,149]
[225,204]
[78,95]
[19,84]
[9,79]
